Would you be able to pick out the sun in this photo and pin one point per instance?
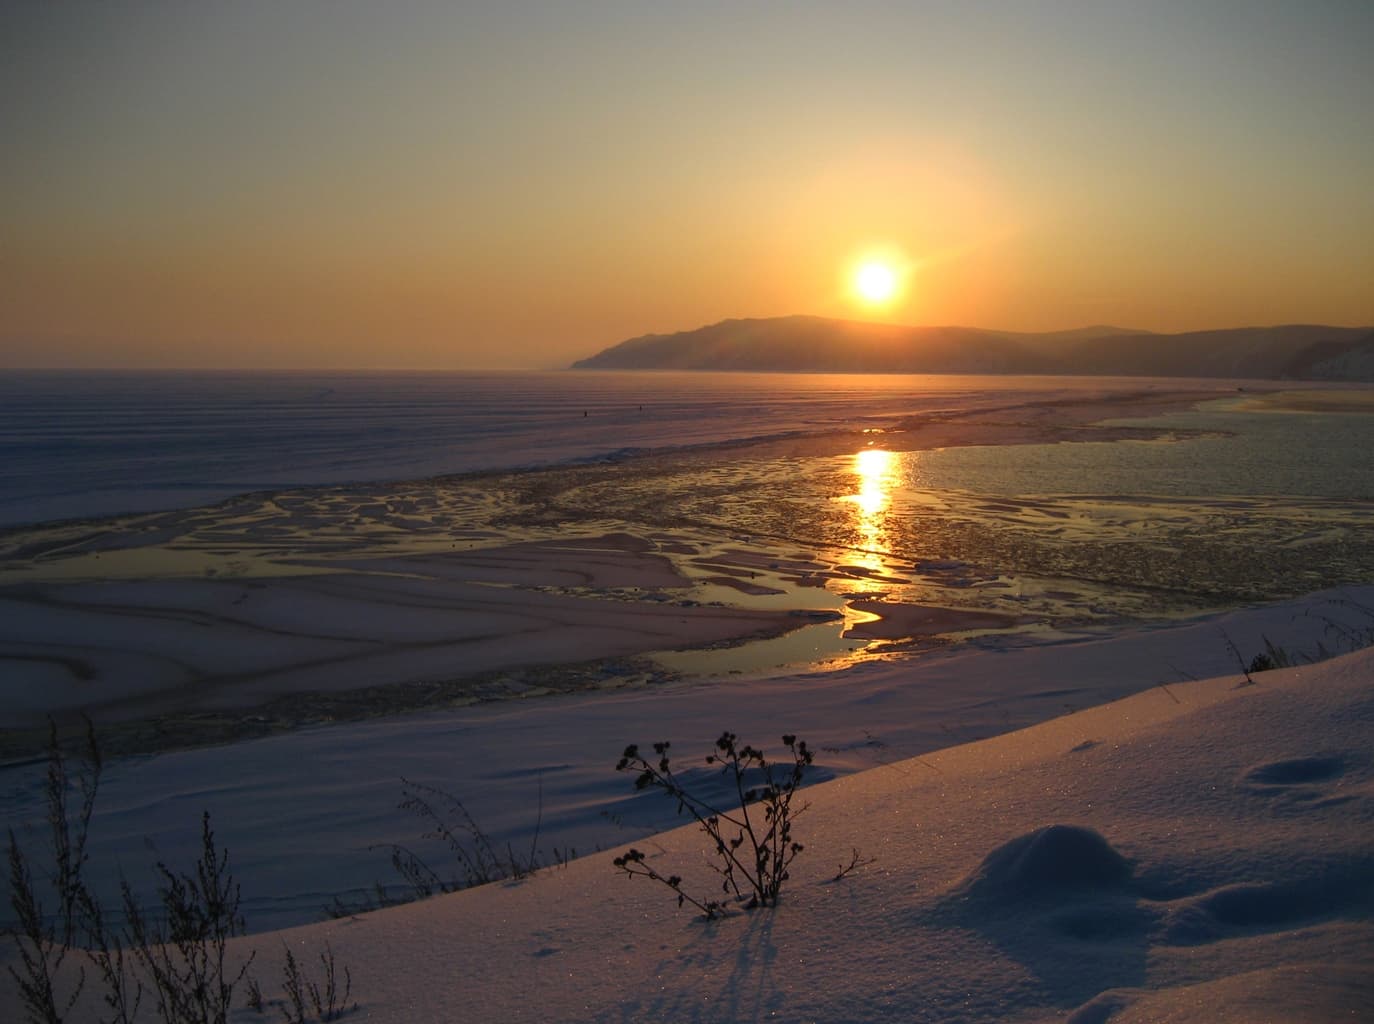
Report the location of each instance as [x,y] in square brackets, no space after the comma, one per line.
[876,282]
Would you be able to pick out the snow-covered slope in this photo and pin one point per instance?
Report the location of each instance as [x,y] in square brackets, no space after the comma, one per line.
[1197,851]
[1199,854]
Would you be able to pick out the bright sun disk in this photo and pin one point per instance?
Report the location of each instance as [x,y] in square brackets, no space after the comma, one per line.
[875,282]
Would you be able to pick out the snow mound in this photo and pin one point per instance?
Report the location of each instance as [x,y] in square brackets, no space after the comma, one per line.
[1043,861]
[1311,993]
[1318,780]
[1322,889]
[1296,771]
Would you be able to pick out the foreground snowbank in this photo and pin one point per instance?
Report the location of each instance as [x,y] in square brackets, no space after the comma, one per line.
[308,815]
[1215,864]
[1243,814]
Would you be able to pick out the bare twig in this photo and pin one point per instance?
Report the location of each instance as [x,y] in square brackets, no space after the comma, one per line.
[856,861]
[753,862]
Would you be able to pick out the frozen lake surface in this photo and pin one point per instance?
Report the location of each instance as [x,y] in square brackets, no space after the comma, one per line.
[85,445]
[81,445]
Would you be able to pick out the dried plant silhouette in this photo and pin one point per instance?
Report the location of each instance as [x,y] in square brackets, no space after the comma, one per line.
[475,858]
[178,953]
[750,830]
[301,995]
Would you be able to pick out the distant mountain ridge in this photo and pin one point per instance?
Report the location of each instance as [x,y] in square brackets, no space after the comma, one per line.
[818,344]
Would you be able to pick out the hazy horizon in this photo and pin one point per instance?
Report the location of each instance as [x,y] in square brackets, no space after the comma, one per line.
[1122,330]
[343,186]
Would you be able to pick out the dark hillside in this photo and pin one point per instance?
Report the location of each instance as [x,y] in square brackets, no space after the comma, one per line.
[817,344]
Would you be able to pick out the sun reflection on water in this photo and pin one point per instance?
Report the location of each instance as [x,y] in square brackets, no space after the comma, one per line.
[876,469]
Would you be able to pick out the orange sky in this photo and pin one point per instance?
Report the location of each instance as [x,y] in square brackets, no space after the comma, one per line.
[417,185]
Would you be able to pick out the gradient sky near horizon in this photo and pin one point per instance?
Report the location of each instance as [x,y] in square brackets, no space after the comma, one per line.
[249,184]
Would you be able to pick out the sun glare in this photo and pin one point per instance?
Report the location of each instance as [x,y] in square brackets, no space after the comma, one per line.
[875,281]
